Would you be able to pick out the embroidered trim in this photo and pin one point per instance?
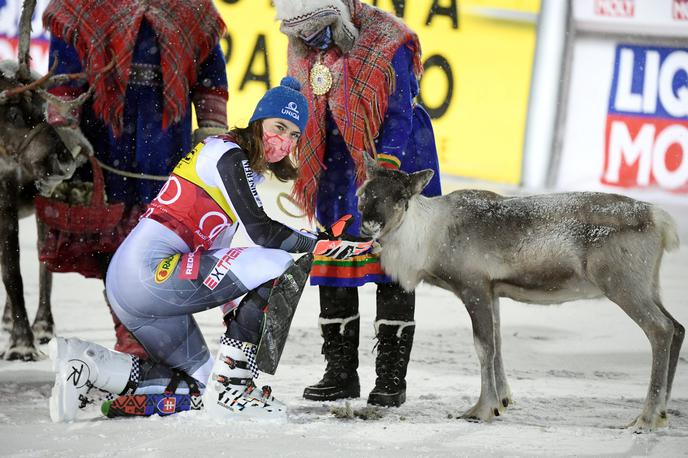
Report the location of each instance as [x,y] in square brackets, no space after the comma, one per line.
[387,161]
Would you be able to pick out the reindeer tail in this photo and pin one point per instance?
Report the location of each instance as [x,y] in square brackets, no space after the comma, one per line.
[667,226]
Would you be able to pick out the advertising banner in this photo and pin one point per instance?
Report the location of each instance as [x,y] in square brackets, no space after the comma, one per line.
[646,17]
[626,128]
[477,55]
[646,135]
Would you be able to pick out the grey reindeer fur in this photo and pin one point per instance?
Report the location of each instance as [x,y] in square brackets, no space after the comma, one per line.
[33,159]
[541,249]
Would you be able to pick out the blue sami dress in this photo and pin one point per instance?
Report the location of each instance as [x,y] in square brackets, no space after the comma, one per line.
[406,139]
[143,147]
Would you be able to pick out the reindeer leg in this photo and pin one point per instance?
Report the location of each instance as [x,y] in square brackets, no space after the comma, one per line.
[659,331]
[503,390]
[479,303]
[634,296]
[43,324]
[7,314]
[679,330]
[21,345]
[676,341]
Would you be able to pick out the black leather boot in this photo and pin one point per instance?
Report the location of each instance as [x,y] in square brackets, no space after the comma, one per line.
[339,325]
[394,329]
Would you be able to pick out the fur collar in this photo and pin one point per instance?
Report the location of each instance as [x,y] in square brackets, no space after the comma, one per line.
[304,17]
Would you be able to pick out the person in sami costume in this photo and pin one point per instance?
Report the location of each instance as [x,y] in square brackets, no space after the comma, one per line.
[359,67]
[153,58]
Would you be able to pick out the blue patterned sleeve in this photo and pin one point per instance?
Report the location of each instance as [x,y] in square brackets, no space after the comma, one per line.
[397,125]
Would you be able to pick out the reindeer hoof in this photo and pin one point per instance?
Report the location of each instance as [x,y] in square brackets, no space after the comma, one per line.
[646,424]
[481,413]
[22,354]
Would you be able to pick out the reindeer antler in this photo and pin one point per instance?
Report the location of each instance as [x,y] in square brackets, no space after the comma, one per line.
[23,73]
[56,80]
[65,106]
[50,79]
[46,80]
[23,57]
[6,94]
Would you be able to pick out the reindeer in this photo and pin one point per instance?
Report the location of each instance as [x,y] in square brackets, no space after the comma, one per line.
[541,249]
[33,159]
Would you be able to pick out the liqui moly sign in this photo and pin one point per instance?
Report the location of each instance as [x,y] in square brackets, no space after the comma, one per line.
[646,136]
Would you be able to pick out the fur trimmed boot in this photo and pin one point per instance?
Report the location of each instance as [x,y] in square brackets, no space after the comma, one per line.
[339,325]
[395,339]
[340,348]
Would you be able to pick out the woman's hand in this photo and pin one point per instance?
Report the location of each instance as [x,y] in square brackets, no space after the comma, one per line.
[335,243]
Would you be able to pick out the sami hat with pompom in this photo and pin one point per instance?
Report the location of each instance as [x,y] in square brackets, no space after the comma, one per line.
[284,101]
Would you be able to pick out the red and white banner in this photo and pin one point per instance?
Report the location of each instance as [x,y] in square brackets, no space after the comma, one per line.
[10,12]
[668,18]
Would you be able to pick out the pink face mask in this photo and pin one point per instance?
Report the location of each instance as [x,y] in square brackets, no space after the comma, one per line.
[277,147]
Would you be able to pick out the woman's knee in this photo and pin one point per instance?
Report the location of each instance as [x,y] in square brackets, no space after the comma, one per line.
[265,264]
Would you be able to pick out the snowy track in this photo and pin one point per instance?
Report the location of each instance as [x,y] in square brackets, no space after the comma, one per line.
[578,373]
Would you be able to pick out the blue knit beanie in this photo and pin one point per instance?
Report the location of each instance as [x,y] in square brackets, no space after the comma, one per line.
[284,101]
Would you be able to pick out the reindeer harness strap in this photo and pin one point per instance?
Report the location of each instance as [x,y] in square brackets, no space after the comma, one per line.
[33,133]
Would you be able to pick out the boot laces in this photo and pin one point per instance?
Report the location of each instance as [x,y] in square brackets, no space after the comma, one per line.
[341,354]
[390,359]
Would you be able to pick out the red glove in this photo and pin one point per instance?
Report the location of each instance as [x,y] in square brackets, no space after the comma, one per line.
[335,243]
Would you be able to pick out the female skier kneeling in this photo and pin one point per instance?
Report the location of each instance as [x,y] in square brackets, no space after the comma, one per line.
[178,261]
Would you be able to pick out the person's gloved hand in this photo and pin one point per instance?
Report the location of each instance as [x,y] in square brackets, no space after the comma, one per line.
[335,243]
[202,133]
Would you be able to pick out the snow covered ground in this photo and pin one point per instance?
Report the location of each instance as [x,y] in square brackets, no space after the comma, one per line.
[578,373]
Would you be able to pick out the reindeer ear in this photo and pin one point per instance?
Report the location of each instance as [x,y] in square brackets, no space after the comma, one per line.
[419,180]
[370,164]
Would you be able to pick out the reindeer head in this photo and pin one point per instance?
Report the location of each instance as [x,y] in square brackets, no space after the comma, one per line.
[26,140]
[384,197]
[29,146]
